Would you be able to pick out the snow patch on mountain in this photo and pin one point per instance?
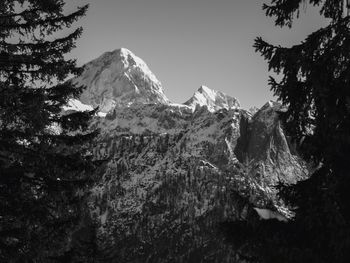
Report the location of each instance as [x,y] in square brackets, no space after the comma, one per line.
[212,99]
[77,105]
[267,214]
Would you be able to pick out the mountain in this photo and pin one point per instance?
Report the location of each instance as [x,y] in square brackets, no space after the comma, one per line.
[171,173]
[119,78]
[213,100]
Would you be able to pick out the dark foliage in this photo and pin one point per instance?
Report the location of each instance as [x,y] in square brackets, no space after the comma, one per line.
[45,160]
[315,86]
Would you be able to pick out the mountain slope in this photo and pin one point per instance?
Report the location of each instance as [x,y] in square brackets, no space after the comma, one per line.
[163,192]
[173,176]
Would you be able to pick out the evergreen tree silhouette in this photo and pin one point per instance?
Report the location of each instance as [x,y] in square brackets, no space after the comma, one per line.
[315,88]
[45,162]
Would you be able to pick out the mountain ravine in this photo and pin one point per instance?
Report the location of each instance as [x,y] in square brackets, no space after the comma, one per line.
[174,172]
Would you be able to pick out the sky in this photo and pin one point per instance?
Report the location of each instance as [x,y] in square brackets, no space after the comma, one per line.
[189,43]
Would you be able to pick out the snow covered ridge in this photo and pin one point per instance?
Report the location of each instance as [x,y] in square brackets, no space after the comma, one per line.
[212,99]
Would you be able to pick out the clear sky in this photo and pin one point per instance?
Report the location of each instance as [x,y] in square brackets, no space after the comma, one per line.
[188,43]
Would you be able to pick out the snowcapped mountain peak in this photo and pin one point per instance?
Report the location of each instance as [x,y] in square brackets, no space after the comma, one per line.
[204,88]
[131,60]
[209,92]
[119,78]
[124,50]
[212,99]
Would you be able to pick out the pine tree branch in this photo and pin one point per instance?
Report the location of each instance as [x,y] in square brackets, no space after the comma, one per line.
[53,23]
[57,69]
[23,13]
[59,45]
[285,10]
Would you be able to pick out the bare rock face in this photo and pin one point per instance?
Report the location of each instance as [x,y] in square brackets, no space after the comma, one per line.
[267,151]
[119,78]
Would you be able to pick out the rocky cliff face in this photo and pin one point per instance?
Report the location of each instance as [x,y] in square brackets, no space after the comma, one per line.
[266,150]
[173,172]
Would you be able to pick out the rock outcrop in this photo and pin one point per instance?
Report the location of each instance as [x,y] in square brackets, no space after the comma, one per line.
[267,151]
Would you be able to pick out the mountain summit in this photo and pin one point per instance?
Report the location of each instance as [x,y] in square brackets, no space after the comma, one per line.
[119,78]
[212,99]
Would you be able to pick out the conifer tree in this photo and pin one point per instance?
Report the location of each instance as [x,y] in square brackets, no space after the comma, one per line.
[45,161]
[315,88]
